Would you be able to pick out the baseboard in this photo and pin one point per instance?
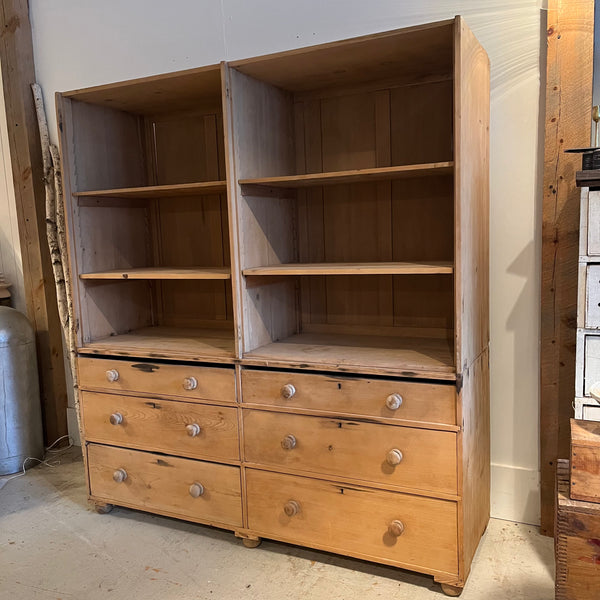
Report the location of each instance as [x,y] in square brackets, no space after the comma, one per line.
[516,494]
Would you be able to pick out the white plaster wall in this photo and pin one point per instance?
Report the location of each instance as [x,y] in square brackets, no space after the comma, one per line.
[79,43]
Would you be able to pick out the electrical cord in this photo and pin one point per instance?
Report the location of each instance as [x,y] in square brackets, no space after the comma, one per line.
[54,462]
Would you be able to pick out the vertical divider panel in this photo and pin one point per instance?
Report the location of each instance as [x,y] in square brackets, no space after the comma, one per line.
[260,122]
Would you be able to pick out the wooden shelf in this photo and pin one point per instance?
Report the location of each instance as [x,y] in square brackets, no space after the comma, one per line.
[354,176]
[159,191]
[167,342]
[382,268]
[399,356]
[161,273]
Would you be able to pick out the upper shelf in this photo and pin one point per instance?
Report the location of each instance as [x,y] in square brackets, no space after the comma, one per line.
[353,176]
[162,273]
[159,191]
[378,268]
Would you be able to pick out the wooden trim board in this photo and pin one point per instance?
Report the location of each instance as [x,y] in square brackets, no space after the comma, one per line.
[570,30]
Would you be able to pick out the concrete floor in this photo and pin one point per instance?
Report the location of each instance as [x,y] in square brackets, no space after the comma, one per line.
[53,546]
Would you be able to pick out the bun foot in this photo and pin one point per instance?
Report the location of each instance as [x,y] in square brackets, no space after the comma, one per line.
[251,543]
[451,590]
[102,508]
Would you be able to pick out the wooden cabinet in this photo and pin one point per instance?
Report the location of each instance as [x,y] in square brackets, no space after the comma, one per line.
[280,271]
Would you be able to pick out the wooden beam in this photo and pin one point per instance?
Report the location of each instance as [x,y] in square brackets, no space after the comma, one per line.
[570,31]
[16,62]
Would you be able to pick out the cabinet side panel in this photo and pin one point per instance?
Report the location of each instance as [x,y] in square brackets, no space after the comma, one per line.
[107,148]
[474,403]
[471,155]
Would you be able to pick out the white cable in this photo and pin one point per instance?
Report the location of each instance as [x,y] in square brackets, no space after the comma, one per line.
[43,461]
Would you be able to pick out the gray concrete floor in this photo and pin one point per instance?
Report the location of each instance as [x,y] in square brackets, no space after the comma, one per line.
[53,546]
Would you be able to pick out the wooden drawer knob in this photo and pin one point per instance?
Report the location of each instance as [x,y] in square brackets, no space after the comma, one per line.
[120,475]
[190,383]
[291,508]
[396,528]
[116,419]
[193,429]
[394,457]
[288,442]
[196,490]
[112,375]
[393,401]
[288,391]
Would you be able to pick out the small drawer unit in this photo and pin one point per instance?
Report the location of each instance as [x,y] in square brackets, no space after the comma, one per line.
[191,382]
[183,428]
[398,529]
[179,487]
[401,456]
[382,398]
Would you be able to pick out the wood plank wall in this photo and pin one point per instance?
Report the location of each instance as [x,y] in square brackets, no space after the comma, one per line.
[570,31]
[16,61]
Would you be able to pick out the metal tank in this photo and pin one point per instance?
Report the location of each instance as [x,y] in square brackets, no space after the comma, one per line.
[20,409]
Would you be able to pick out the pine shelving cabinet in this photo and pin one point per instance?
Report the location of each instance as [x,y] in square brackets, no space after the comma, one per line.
[280,271]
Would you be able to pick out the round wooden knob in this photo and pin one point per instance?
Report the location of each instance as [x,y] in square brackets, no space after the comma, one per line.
[288,391]
[193,429]
[120,475]
[396,528]
[116,419]
[196,490]
[112,375]
[291,508]
[394,457]
[393,401]
[288,442]
[190,383]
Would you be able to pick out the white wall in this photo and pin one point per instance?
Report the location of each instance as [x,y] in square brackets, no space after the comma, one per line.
[79,43]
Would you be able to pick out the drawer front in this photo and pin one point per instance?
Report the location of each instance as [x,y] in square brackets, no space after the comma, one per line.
[367,451]
[186,381]
[165,483]
[592,296]
[354,520]
[370,397]
[186,428]
[593,229]
[591,371]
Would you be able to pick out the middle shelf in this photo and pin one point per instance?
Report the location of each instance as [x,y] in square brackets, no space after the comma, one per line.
[374,268]
[161,273]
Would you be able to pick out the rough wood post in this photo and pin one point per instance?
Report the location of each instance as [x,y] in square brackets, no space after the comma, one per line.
[570,30]
[16,62]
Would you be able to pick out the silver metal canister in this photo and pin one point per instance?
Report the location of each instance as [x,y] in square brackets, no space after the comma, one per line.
[20,407]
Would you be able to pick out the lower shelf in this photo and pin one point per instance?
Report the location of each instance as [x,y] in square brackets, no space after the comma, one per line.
[400,356]
[167,342]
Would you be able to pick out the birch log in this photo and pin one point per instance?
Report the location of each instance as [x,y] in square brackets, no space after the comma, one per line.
[55,231]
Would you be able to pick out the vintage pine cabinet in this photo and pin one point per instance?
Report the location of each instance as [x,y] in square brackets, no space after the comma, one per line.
[280,272]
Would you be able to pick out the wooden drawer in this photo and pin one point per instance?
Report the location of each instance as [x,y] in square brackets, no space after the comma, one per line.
[187,381]
[591,276]
[353,449]
[351,395]
[163,484]
[588,374]
[161,425]
[354,520]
